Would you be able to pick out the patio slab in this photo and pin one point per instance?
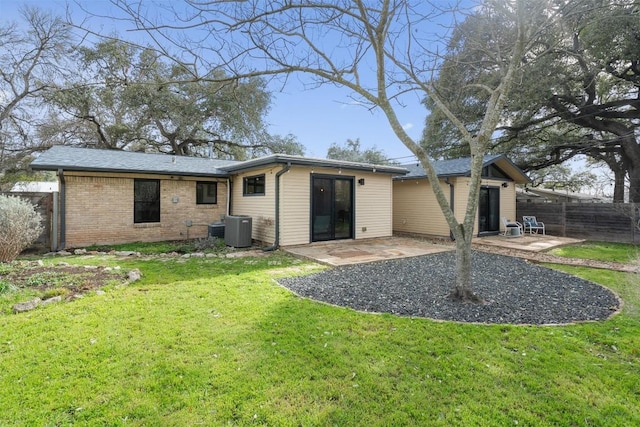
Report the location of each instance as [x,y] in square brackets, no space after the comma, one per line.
[526,242]
[346,252]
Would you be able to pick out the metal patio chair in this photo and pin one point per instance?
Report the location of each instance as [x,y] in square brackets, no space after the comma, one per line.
[532,225]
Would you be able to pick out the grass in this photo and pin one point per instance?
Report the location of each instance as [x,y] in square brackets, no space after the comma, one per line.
[180,246]
[601,251]
[218,342]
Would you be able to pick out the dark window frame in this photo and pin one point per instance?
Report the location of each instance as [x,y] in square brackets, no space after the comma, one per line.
[250,186]
[146,211]
[203,190]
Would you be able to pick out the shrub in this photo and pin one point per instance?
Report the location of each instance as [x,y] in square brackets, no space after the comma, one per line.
[6,287]
[20,226]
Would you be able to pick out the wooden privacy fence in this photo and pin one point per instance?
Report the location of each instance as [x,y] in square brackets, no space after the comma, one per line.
[607,222]
[44,206]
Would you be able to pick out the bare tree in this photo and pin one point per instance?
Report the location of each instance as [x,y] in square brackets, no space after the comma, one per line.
[30,58]
[382,51]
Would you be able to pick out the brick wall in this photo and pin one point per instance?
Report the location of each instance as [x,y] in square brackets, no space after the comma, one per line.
[99,209]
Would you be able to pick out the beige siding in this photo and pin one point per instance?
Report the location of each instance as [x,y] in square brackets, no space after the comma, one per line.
[374,206]
[415,209]
[99,209]
[460,195]
[295,206]
[260,208]
[508,204]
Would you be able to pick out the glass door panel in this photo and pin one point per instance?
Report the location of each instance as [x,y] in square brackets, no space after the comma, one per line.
[331,208]
[322,209]
[489,210]
[342,213]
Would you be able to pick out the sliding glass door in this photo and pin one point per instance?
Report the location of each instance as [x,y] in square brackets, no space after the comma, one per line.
[331,207]
[489,210]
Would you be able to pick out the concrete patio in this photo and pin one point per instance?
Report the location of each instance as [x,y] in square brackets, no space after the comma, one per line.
[526,242]
[346,252]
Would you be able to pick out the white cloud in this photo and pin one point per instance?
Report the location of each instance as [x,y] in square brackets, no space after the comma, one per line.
[407,126]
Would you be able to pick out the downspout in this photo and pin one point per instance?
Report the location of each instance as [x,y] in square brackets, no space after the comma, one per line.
[229,192]
[62,207]
[451,201]
[276,242]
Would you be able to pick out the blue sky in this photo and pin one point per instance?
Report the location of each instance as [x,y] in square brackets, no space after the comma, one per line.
[317,117]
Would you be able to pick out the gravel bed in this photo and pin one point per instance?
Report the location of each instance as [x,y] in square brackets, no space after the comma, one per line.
[516,291]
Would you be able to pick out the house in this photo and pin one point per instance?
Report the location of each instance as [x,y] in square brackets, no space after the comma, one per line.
[109,196]
[546,195]
[35,187]
[416,211]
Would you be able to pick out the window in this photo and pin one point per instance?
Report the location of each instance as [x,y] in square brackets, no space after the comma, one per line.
[146,200]
[253,185]
[206,193]
[492,171]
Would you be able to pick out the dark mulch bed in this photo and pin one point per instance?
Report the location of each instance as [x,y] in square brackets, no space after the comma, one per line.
[516,291]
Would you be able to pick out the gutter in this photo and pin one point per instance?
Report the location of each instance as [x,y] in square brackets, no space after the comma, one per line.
[229,192]
[62,211]
[276,243]
[452,194]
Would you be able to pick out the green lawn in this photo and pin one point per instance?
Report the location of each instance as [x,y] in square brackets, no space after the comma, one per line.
[214,341]
[601,251]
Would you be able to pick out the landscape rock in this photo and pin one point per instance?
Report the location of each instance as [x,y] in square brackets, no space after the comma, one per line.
[80,252]
[134,275]
[21,307]
[52,300]
[63,253]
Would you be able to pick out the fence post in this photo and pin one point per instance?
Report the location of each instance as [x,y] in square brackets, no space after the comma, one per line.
[563,217]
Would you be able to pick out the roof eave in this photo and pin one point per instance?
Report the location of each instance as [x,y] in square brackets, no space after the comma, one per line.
[300,161]
[130,171]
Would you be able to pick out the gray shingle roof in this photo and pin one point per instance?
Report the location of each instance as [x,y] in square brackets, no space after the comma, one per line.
[453,167]
[312,161]
[89,159]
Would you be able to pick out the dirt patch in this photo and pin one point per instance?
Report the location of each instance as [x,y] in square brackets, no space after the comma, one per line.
[67,279]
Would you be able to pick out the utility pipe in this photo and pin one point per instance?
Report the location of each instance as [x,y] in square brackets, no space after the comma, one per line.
[276,243]
[62,207]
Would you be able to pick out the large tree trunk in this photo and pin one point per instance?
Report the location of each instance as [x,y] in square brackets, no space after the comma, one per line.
[462,290]
[618,186]
[629,163]
[634,184]
[631,151]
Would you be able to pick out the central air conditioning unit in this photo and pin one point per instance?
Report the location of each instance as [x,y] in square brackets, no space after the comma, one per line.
[216,229]
[237,232]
